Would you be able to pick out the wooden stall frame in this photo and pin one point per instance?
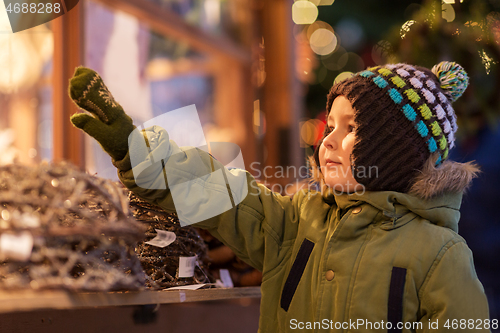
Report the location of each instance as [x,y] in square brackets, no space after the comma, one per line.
[67,141]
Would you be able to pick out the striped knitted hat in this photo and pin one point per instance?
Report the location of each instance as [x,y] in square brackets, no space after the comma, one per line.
[404,115]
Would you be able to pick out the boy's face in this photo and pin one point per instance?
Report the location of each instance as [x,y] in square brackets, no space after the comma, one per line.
[336,149]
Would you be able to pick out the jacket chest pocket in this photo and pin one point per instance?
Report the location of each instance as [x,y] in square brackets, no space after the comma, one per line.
[296,272]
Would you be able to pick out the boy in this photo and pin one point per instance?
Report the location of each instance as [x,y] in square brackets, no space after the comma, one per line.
[377,248]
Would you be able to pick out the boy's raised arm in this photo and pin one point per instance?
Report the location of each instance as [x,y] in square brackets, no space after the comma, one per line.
[229,203]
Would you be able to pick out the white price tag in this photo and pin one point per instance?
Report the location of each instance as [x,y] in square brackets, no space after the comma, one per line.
[226,278]
[182,297]
[162,239]
[186,266]
[189,287]
[16,247]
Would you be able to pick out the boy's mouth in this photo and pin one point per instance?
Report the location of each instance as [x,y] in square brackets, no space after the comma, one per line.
[330,163]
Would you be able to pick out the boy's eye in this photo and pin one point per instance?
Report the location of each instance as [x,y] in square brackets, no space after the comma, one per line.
[350,129]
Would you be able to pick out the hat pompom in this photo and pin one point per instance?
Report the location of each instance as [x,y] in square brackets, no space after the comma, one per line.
[454,79]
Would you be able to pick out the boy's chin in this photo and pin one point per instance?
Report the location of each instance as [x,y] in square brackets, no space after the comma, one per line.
[345,187]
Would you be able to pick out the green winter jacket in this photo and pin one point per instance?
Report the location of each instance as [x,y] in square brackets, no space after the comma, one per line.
[339,263]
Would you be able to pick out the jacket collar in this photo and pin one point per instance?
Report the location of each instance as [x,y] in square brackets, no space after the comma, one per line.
[398,208]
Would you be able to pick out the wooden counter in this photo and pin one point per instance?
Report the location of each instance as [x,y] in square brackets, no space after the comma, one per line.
[30,300]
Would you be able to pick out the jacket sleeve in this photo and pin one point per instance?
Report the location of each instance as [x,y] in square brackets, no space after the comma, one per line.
[452,297]
[246,216]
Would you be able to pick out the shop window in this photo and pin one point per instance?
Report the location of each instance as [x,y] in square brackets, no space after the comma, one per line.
[150,73]
[25,92]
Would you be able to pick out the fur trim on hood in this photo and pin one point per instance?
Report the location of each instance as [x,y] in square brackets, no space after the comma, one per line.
[316,175]
[450,176]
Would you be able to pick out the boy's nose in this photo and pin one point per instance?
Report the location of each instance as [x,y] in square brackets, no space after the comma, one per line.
[330,141]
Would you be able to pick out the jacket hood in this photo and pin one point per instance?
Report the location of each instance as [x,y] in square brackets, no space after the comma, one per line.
[400,208]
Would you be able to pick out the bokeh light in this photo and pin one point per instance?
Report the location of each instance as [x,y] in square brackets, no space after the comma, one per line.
[299,32]
[4,20]
[304,12]
[323,41]
[343,76]
[310,132]
[318,25]
[259,120]
[486,60]
[493,19]
[405,28]
[305,60]
[22,57]
[336,60]
[351,33]
[354,63]
[382,53]
[448,12]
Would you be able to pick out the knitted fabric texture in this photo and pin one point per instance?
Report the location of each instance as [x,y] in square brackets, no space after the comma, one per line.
[106,122]
[403,115]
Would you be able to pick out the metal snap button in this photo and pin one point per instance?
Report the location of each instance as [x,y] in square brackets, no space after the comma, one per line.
[356,210]
[329,275]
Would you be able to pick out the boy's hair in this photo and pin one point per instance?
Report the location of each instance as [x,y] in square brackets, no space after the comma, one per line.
[404,119]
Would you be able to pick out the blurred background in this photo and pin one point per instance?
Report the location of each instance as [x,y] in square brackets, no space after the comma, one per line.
[258,72]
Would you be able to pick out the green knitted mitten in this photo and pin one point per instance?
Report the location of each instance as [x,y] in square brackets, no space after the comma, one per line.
[108,123]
